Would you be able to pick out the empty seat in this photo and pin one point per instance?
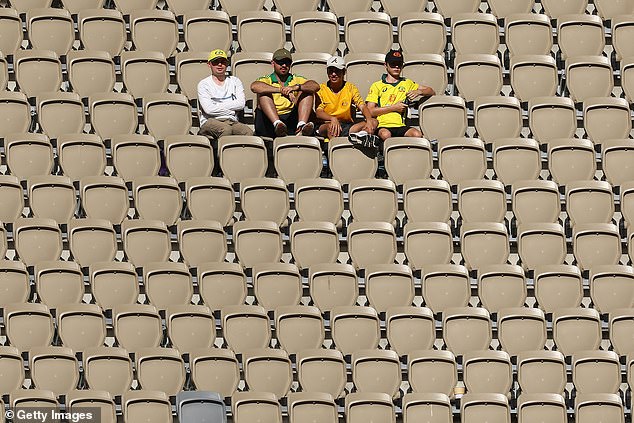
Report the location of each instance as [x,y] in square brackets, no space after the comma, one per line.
[59,282]
[589,202]
[371,243]
[90,72]
[242,157]
[214,369]
[427,69]
[466,329]
[91,241]
[81,326]
[313,31]
[321,370]
[182,7]
[389,285]
[449,8]
[580,35]
[571,159]
[221,284]
[137,326]
[276,285]
[427,243]
[363,69]
[484,407]
[154,30]
[376,371]
[267,370]
[52,197]
[14,282]
[81,155]
[248,66]
[289,7]
[113,283]
[157,198]
[427,200]
[611,287]
[589,76]
[235,7]
[528,33]
[264,199]
[501,286]
[342,8]
[210,199]
[445,286]
[112,114]
[502,9]
[257,242]
[28,155]
[432,371]
[421,32]
[541,244]
[354,328]
[297,158]
[621,31]
[15,112]
[626,203]
[481,201]
[37,240]
[249,406]
[521,329]
[576,329]
[104,197]
[319,200]
[28,325]
[372,200]
[167,284]
[558,286]
[160,369]
[145,241]
[60,113]
[407,159]
[144,72]
[596,372]
[443,117]
[431,407]
[348,163]
[535,201]
[599,407]
[487,372]
[368,32]
[102,402]
[167,114]
[606,119]
[547,407]
[311,405]
[50,29]
[12,198]
[12,367]
[127,6]
[310,66]
[206,29]
[596,244]
[11,29]
[333,285]
[201,241]
[37,71]
[135,156]
[615,161]
[260,31]
[516,159]
[461,159]
[497,117]
[146,405]
[314,243]
[188,156]
[363,406]
[54,369]
[409,329]
[610,9]
[554,9]
[620,328]
[533,76]
[484,244]
[200,405]
[299,328]
[541,372]
[245,327]
[33,397]
[474,33]
[102,30]
[551,118]
[477,75]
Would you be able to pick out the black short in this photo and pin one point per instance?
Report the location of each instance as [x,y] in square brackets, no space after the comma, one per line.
[264,127]
[396,131]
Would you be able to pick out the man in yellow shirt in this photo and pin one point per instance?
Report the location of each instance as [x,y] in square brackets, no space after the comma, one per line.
[389,99]
[284,100]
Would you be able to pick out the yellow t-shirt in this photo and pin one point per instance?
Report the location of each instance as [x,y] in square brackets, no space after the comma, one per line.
[282,104]
[385,94]
[339,104]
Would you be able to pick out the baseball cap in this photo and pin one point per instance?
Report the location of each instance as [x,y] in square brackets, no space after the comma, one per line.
[215,54]
[281,54]
[394,56]
[336,62]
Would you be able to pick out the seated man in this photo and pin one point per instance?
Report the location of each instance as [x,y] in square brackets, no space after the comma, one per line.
[390,97]
[284,100]
[338,98]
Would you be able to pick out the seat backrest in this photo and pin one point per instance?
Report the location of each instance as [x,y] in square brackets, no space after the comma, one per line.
[389,285]
[541,406]
[348,163]
[535,201]
[558,286]
[297,158]
[321,370]
[466,329]
[445,286]
[210,198]
[157,198]
[201,241]
[92,240]
[528,33]
[145,241]
[264,199]
[37,240]
[200,405]
[160,369]
[487,371]
[314,243]
[268,370]
[475,33]
[276,285]
[461,159]
[205,30]
[28,325]
[50,29]
[427,69]
[376,371]
[245,327]
[478,75]
[589,76]
[102,30]
[407,159]
[576,329]
[516,159]
[333,285]
[299,328]
[314,31]
[167,284]
[144,72]
[432,371]
[146,405]
[137,326]
[368,32]
[113,283]
[521,329]
[354,328]
[533,76]
[221,284]
[54,369]
[421,32]
[81,326]
[541,244]
[580,35]
[501,286]
[11,29]
[541,372]
[60,113]
[215,369]
[113,114]
[409,329]
[257,242]
[596,372]
[554,9]
[497,117]
[37,71]
[135,156]
[571,159]
[260,31]
[167,114]
[154,30]
[371,243]
[427,243]
[242,157]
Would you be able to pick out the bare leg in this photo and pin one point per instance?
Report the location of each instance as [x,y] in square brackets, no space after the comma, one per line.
[305,107]
[384,133]
[359,126]
[324,130]
[266,104]
[414,132]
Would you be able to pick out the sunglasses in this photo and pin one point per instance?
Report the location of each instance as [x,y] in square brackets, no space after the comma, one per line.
[284,62]
[395,64]
[219,62]
[334,70]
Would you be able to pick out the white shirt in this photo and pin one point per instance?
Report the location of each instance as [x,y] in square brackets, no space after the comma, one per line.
[220,101]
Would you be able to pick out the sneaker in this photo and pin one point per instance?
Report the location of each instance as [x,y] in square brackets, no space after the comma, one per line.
[307,129]
[363,139]
[281,130]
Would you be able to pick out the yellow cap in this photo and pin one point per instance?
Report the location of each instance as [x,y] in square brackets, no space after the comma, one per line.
[216,54]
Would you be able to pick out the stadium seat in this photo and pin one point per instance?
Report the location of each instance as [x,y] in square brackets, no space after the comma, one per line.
[200,405]
[501,286]
[54,369]
[267,370]
[137,326]
[344,8]
[521,329]
[333,285]
[37,71]
[12,367]
[221,284]
[615,162]
[576,329]
[289,7]
[37,240]
[487,372]
[321,370]
[503,9]
[427,200]
[589,76]
[102,402]
[127,6]
[398,7]
[81,326]
[50,29]
[249,406]
[318,200]
[610,287]
[593,407]
[371,243]
[348,163]
[376,371]
[76,6]
[210,198]
[145,241]
[160,369]
[153,30]
[135,156]
[622,31]
[477,75]
[533,76]
[81,155]
[372,200]
[407,159]
[528,33]
[488,407]
[180,7]
[52,197]
[249,66]
[113,114]
[233,7]
[191,68]
[11,29]
[389,285]
[354,328]
[242,157]
[432,407]
[28,325]
[264,199]
[205,30]
[260,30]
[102,30]
[541,244]
[167,114]
[554,8]
[245,327]
[201,241]
[104,197]
[14,282]
[363,69]
[59,282]
[608,9]
[299,328]
[368,32]
[474,33]
[547,407]
[310,66]
[580,35]
[313,31]
[461,159]
[596,372]
[596,244]
[620,329]
[90,72]
[466,329]
[409,329]
[589,202]
[113,283]
[483,244]
[541,372]
[571,159]
[297,158]
[188,156]
[146,405]
[167,284]
[626,203]
[558,286]
[309,406]
[15,113]
[551,118]
[11,198]
[91,241]
[449,8]
[606,119]
[157,198]
[432,371]
[314,243]
[144,72]
[497,117]
[60,113]
[276,285]
[361,407]
[427,243]
[33,397]
[443,117]
[481,201]
[445,286]
[516,160]
[421,32]
[215,370]
[257,242]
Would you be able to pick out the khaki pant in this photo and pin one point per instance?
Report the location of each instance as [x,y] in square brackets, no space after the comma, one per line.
[214,128]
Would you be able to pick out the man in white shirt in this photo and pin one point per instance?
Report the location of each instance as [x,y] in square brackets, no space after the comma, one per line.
[219,98]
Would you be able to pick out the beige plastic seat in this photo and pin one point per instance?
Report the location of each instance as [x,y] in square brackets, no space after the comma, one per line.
[611,9]
[28,155]
[154,30]
[249,406]
[474,33]
[611,287]
[260,30]
[242,157]
[146,405]
[449,8]
[81,155]
[558,286]
[533,76]
[376,371]
[461,159]
[541,244]
[333,285]
[596,244]
[3,242]
[167,114]
[160,369]
[466,329]
[478,75]
[535,201]
[615,161]
[433,407]
[544,407]
[188,156]
[348,163]
[552,118]
[445,286]
[599,407]
[113,114]
[145,241]
[221,284]
[76,6]
[407,159]
[313,31]
[521,329]
[372,200]
[516,160]
[299,328]
[28,325]
[245,327]
[11,29]
[621,32]
[290,7]
[34,398]
[137,326]
[554,9]
[427,69]
[256,242]
[363,69]
[264,199]
[101,400]
[113,283]
[60,113]
[104,197]
[626,202]
[541,372]
[11,198]
[310,66]
[343,8]
[410,328]
[580,35]
[135,156]
[389,285]
[37,240]
[497,118]
[205,29]
[368,32]
[421,32]
[371,243]
[354,328]
[576,329]
[314,243]
[596,372]
[427,243]
[571,159]
[210,198]
[182,7]
[528,33]
[432,371]
[484,407]
[248,66]
[501,286]
[309,406]
[481,201]
[157,198]
[81,326]
[427,200]
[319,200]
[14,282]
[215,369]
[267,370]
[91,241]
[606,119]
[126,6]
[201,241]
[37,71]
[54,369]
[589,76]
[15,112]
[297,157]
[52,197]
[50,29]
[276,285]
[12,367]
[59,282]
[503,9]
[487,372]
[144,72]
[102,30]
[484,244]
[90,72]
[589,202]
[321,370]
[363,407]
[620,329]
[167,284]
